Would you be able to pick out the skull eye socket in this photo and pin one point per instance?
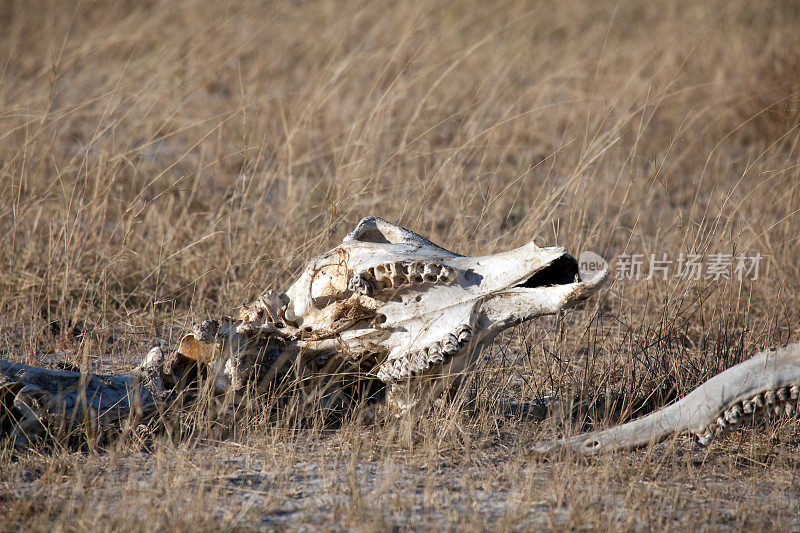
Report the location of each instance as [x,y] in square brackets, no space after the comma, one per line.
[562,271]
[373,234]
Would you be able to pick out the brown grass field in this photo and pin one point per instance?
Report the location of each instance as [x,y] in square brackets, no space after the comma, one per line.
[162,162]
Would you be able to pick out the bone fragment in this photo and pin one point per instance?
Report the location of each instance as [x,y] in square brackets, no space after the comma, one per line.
[35,401]
[768,382]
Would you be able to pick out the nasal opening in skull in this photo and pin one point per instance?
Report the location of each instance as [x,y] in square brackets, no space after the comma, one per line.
[561,271]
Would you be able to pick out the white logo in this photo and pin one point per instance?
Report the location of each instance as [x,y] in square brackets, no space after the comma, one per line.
[590,264]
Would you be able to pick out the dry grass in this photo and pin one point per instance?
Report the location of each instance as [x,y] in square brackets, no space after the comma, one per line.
[161,162]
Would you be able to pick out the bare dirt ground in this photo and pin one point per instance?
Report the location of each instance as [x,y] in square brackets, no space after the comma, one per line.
[164,162]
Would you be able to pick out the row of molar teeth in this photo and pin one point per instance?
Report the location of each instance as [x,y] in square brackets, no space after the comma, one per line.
[437,353]
[779,402]
[399,275]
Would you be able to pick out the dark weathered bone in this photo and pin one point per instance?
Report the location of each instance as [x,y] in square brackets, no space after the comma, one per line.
[38,400]
[768,383]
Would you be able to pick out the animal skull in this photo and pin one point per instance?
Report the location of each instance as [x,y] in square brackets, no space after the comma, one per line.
[411,310]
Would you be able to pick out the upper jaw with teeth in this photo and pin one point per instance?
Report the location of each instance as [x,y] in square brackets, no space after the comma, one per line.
[391,296]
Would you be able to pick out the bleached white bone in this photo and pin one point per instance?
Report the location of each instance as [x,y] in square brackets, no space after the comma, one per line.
[415,309]
[766,384]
